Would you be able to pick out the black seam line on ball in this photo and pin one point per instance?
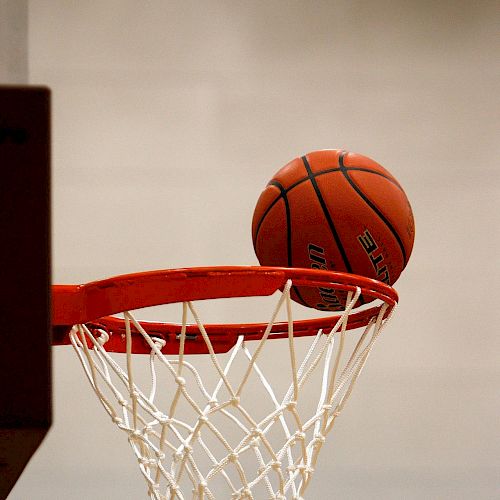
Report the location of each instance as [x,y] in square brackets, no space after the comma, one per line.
[283,193]
[327,215]
[288,223]
[372,206]
[287,214]
[288,233]
[268,209]
[297,293]
[363,169]
[317,174]
[338,169]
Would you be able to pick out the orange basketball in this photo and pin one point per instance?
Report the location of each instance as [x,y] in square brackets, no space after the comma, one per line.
[334,210]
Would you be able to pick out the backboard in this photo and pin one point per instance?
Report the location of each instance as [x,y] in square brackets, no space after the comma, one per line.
[25,407]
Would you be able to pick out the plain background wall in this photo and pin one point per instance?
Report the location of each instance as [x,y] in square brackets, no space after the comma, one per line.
[170,117]
[13,41]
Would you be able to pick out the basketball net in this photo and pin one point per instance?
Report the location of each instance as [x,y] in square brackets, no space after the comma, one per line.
[210,432]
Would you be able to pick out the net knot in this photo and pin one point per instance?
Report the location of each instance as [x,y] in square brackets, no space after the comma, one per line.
[202,486]
[305,468]
[212,403]
[276,465]
[162,418]
[147,461]
[103,337]
[159,342]
[235,401]
[291,405]
[180,381]
[233,457]
[153,488]
[299,436]
[254,443]
[256,433]
[318,439]
[135,435]
[203,419]
[239,495]
[246,493]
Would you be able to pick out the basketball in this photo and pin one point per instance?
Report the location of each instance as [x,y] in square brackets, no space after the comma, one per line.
[334,210]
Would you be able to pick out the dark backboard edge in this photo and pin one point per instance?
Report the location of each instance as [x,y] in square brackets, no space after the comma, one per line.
[25,361]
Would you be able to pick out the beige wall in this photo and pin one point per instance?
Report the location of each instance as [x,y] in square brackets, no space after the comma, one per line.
[169,118]
[13,41]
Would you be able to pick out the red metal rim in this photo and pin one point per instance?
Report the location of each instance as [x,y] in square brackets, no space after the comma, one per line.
[72,304]
[95,302]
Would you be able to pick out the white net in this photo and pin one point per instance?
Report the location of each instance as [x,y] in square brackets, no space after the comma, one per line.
[248,424]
